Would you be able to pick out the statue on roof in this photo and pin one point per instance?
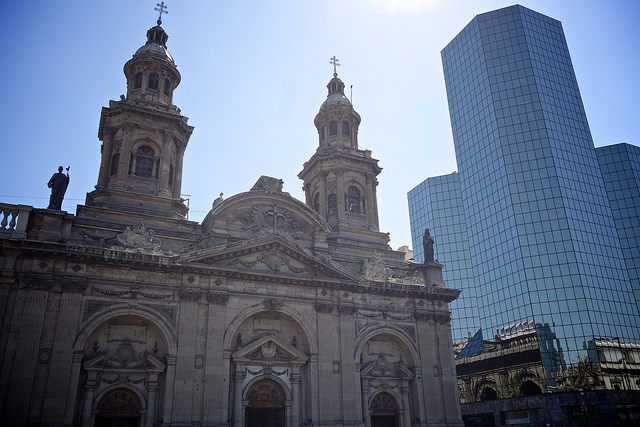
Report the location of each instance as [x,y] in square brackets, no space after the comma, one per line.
[58,185]
[427,245]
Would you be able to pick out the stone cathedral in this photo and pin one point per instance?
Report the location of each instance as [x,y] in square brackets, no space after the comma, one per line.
[272,312]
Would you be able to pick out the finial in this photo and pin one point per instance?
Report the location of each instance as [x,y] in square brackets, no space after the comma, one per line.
[160,9]
[334,62]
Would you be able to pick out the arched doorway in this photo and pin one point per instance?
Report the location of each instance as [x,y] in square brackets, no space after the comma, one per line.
[118,408]
[265,407]
[384,411]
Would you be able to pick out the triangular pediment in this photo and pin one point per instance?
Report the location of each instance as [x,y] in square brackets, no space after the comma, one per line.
[383,368]
[271,350]
[272,256]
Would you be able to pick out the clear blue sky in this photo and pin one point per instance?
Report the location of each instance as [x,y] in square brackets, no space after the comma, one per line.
[254,75]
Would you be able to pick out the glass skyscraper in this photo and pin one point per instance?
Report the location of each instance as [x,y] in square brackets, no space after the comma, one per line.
[541,236]
[436,203]
[620,165]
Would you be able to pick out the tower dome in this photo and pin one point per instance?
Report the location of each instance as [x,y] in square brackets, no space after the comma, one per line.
[151,73]
[337,122]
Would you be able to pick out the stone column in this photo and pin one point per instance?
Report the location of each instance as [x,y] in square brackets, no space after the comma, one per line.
[107,154]
[404,391]
[369,199]
[74,377]
[365,405]
[62,354]
[322,191]
[168,394]
[216,386]
[27,342]
[296,381]
[177,173]
[89,388]
[340,194]
[420,390]
[238,412]
[348,372]
[315,397]
[152,388]
[184,382]
[165,164]
[125,155]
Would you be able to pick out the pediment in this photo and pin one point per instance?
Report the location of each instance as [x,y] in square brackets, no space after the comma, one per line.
[272,255]
[266,211]
[383,368]
[270,350]
[146,362]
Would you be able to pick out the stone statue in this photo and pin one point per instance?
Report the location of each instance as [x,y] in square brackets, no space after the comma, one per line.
[58,185]
[427,244]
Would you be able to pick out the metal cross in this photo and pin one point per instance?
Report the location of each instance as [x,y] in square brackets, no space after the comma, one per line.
[334,62]
[160,9]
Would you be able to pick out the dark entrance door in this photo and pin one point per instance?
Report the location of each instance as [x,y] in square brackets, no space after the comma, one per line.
[266,405]
[264,417]
[116,422]
[118,408]
[384,421]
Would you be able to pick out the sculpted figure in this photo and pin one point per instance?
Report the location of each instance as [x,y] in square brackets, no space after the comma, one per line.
[58,185]
[427,244]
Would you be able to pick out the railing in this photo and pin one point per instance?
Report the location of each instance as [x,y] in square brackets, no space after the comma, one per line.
[13,221]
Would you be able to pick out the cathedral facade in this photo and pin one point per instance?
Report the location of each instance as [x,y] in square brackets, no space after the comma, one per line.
[271,312]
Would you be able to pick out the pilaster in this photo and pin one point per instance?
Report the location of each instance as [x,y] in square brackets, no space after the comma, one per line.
[184,381]
[62,355]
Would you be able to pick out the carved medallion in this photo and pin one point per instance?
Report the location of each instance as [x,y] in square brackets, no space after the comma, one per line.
[139,238]
[268,350]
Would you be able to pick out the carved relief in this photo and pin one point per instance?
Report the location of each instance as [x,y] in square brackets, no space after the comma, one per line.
[422,317]
[324,307]
[348,310]
[383,404]
[73,286]
[274,260]
[268,184]
[272,304]
[218,298]
[265,392]
[93,306]
[374,268]
[38,283]
[44,355]
[189,295]
[139,238]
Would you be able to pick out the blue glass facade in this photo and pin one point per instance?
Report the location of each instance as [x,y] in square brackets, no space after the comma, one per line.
[542,240]
[620,165]
[436,204]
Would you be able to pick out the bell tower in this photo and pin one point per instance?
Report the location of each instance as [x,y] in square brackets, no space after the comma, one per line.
[144,136]
[340,179]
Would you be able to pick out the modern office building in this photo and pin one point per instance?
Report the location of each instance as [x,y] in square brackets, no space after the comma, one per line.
[620,166]
[541,239]
[436,203]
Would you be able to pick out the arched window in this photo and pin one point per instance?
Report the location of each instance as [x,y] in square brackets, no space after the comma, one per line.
[316,202]
[332,203]
[114,164]
[333,129]
[153,81]
[353,200]
[345,128]
[144,161]
[167,87]
[137,81]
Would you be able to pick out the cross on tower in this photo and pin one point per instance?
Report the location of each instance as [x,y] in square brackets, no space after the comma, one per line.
[334,61]
[160,9]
